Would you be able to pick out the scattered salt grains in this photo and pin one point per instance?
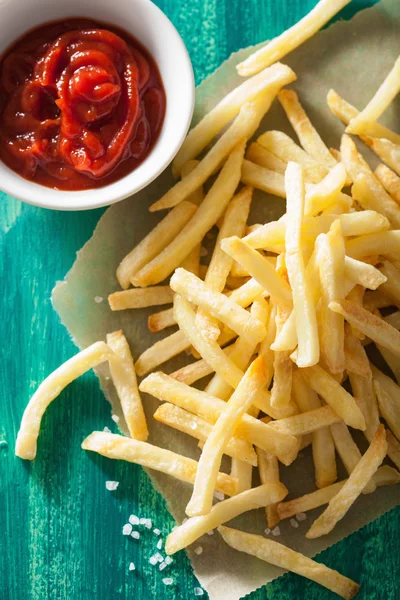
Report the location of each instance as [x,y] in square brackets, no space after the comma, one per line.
[198,550]
[159,557]
[267,531]
[133,520]
[276,531]
[146,522]
[294,523]
[301,516]
[132,566]
[153,560]
[198,591]
[162,566]
[219,495]
[156,531]
[107,430]
[168,581]
[135,535]
[98,299]
[112,485]
[159,544]
[168,560]
[115,418]
[127,529]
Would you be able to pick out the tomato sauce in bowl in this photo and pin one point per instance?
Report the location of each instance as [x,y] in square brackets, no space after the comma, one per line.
[81,105]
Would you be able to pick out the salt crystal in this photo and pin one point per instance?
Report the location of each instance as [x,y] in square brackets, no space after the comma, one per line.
[159,544]
[159,557]
[98,299]
[112,485]
[276,531]
[148,524]
[107,430]
[267,531]
[198,591]
[135,535]
[115,418]
[162,566]
[127,529]
[168,581]
[156,531]
[153,560]
[301,516]
[294,523]
[168,560]
[219,495]
[198,550]
[211,532]
[132,566]
[134,520]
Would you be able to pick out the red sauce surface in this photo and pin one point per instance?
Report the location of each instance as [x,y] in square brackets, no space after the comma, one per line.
[81,106]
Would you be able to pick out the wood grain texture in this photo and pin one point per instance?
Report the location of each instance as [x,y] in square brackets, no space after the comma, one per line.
[61,529]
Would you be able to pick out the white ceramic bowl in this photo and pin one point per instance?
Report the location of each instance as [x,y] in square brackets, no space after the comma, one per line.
[148,24]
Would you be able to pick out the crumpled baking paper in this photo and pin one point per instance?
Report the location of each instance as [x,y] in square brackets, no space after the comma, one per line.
[352,57]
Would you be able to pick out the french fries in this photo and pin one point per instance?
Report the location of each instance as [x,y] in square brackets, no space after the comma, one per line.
[141,298]
[386,243]
[268,468]
[161,320]
[149,456]
[325,193]
[389,180]
[365,397]
[282,556]
[161,351]
[292,38]
[263,179]
[378,104]
[359,478]
[387,151]
[261,156]
[388,395]
[50,388]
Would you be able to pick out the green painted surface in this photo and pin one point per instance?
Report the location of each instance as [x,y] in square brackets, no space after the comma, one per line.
[60,536]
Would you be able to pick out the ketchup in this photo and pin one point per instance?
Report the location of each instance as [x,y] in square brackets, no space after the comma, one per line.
[81,105]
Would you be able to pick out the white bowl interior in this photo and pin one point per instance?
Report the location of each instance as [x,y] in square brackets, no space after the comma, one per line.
[148,24]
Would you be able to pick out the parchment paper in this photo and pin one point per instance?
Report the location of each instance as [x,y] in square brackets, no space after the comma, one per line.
[351,57]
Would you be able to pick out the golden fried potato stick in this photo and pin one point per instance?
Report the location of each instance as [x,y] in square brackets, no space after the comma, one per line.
[292,38]
[374,327]
[363,274]
[161,320]
[202,221]
[141,298]
[261,156]
[365,397]
[119,447]
[388,395]
[355,358]
[345,498]
[222,512]
[306,132]
[285,558]
[387,91]
[384,242]
[387,151]
[165,388]
[306,422]
[263,179]
[236,407]
[335,395]
[325,194]
[389,180]
[269,81]
[268,468]
[154,242]
[161,351]
[50,388]
[124,378]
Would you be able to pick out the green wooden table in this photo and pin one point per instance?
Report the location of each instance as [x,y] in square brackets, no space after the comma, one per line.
[61,530]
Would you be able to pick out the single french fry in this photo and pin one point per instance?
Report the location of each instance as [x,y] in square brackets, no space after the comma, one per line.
[363,274]
[359,478]
[260,269]
[306,132]
[268,468]
[166,388]
[124,378]
[355,358]
[247,293]
[383,242]
[269,80]
[356,296]
[282,384]
[348,451]
[50,388]
[378,104]
[263,179]
[210,460]
[384,476]
[155,241]
[292,38]
[161,351]
[365,397]
[323,449]
[287,150]
[391,287]
[222,512]
[281,556]
[389,180]
[325,193]
[234,223]
[335,395]
[261,156]
[303,306]
[242,471]
[161,320]
[192,262]
[388,395]
[141,298]
[242,128]
[195,426]
[197,196]
[374,327]
[202,221]
[307,422]
[346,112]
[149,456]
[386,150]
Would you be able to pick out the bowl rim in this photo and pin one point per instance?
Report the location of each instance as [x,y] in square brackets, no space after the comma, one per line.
[36,194]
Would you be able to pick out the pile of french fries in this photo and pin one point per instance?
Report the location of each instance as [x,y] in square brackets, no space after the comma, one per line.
[280,318]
